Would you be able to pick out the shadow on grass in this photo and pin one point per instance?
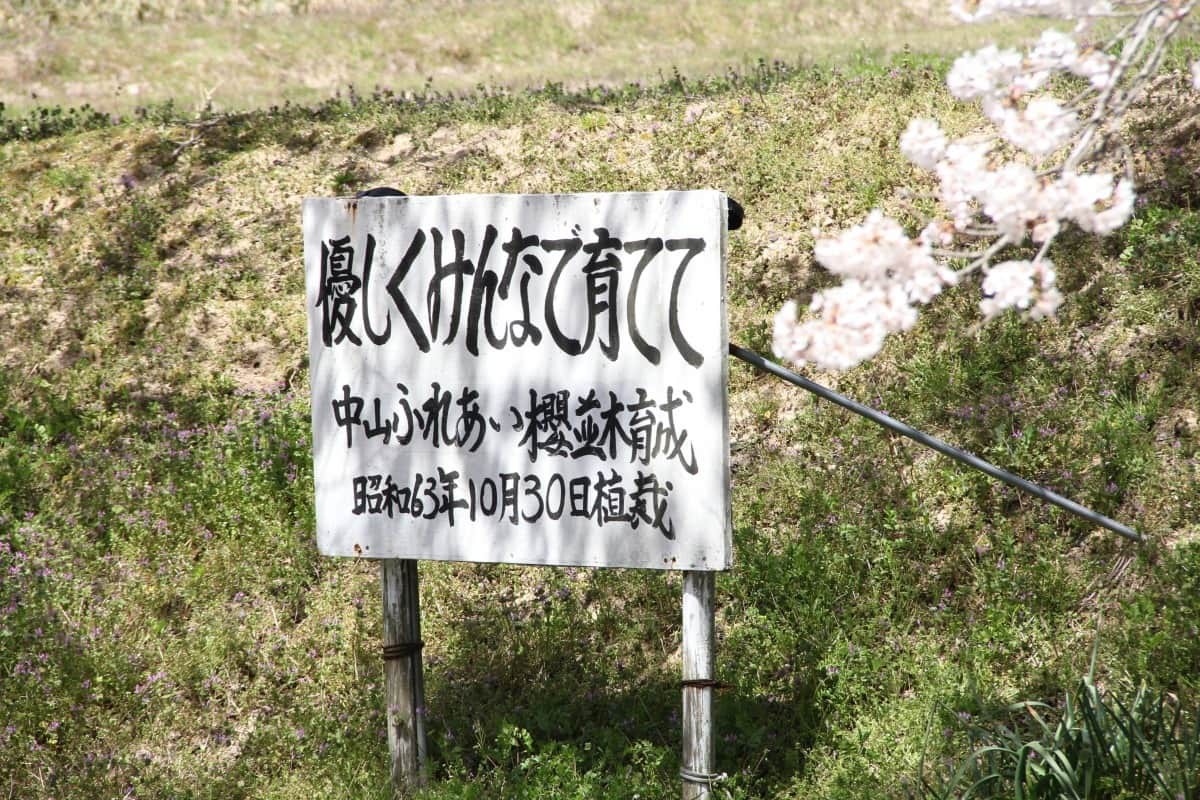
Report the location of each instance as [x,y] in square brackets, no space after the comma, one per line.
[592,729]
[578,675]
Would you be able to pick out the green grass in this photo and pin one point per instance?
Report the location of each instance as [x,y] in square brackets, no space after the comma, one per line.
[168,630]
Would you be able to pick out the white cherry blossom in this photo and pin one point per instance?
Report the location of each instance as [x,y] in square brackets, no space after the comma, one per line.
[983,73]
[1036,174]
[1007,285]
[1054,50]
[963,174]
[1040,128]
[1096,66]
[923,143]
[1012,201]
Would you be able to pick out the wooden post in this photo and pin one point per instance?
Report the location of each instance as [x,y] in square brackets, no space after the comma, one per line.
[699,589]
[404,681]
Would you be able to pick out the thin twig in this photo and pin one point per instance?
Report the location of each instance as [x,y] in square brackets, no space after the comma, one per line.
[1093,124]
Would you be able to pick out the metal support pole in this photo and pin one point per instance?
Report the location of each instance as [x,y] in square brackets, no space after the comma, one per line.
[932,442]
[404,681]
[699,589]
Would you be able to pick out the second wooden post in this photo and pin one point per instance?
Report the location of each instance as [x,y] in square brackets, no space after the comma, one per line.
[699,747]
[404,681]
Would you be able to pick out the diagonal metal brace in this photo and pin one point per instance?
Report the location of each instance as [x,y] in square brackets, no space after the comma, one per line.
[932,442]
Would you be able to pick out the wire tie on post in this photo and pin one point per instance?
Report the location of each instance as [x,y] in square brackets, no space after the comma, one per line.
[703,683]
[708,779]
[401,650]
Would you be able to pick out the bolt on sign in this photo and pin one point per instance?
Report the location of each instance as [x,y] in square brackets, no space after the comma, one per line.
[531,379]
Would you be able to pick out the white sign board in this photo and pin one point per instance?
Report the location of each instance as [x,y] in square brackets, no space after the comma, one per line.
[533,379]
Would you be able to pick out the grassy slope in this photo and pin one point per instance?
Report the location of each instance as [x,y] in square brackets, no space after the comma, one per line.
[166,626]
[94,55]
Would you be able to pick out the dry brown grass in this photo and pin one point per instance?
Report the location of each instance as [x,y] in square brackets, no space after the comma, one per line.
[258,53]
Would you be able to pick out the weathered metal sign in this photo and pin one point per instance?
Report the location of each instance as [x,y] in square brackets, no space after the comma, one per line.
[535,379]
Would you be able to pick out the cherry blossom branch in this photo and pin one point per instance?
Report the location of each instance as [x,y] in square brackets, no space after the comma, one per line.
[987,194]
